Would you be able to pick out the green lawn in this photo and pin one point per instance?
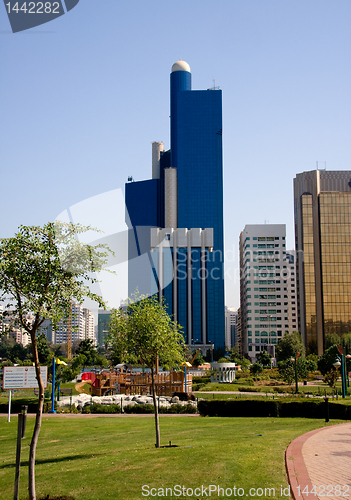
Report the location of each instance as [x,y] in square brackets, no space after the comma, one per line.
[106,458]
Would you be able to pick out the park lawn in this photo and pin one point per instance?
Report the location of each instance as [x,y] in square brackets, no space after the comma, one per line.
[110,458]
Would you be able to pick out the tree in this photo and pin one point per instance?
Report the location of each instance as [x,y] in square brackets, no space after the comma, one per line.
[330,377]
[286,370]
[145,334]
[42,269]
[288,346]
[264,359]
[256,369]
[43,348]
[87,348]
[326,362]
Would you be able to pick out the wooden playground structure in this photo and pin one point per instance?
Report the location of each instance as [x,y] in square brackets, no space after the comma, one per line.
[122,380]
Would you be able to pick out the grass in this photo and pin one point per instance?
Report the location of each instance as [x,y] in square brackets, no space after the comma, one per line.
[109,458]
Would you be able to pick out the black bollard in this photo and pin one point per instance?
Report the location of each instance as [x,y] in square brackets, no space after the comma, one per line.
[326,409]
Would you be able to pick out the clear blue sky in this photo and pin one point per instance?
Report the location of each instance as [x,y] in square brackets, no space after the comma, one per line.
[83,97]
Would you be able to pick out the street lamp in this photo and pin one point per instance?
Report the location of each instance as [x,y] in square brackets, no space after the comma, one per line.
[348,356]
[340,364]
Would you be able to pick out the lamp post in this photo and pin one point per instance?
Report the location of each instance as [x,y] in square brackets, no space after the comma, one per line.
[339,363]
[348,356]
[53,388]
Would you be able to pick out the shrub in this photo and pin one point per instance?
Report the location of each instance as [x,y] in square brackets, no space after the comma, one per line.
[99,408]
[249,389]
[147,408]
[203,379]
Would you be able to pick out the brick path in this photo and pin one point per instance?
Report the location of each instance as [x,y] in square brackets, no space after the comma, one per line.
[321,458]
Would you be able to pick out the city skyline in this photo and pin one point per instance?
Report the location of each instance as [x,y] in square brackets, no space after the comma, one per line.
[74,105]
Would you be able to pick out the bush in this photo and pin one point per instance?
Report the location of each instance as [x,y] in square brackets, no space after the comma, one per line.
[249,389]
[184,396]
[203,379]
[139,408]
[147,408]
[99,408]
[256,369]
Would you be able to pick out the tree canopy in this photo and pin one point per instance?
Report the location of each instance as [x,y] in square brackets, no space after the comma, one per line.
[288,346]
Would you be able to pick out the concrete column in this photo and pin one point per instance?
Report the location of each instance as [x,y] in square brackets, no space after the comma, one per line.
[189,276]
[175,277]
[171,198]
[203,289]
[160,272]
[157,147]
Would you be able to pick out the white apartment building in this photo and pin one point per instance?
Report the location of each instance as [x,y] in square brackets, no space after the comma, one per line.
[9,327]
[75,324]
[89,325]
[267,288]
[81,324]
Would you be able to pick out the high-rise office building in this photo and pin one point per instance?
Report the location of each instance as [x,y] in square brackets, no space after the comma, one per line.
[178,214]
[266,287]
[322,205]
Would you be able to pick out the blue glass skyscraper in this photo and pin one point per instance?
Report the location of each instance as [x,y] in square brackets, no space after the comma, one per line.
[179,215]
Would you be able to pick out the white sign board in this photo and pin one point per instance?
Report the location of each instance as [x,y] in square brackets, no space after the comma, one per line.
[23,377]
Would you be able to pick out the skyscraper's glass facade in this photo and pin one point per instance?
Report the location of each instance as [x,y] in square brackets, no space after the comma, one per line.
[323,238]
[309,272]
[335,228]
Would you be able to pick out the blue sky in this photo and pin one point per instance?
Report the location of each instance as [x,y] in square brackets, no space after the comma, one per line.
[84,96]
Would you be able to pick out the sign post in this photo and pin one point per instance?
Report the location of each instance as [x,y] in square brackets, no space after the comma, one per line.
[22,377]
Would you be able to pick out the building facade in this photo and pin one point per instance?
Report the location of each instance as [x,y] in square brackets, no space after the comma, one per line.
[79,326]
[231,327]
[176,218]
[322,206]
[266,288]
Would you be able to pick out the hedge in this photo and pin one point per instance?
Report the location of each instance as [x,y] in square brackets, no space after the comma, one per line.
[273,408]
[16,407]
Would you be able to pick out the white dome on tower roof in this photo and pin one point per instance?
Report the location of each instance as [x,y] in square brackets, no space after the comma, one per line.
[181,66]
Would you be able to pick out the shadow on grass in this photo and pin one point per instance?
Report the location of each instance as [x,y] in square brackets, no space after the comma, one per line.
[54,460]
[54,497]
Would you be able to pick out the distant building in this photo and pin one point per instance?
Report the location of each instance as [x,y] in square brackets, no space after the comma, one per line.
[290,302]
[80,324]
[46,329]
[231,323]
[89,325]
[103,321]
[322,204]
[265,287]
[11,329]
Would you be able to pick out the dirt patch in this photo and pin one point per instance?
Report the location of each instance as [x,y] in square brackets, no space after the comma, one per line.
[80,387]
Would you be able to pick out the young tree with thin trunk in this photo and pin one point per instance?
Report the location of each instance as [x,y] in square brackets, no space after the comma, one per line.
[144,333]
[42,269]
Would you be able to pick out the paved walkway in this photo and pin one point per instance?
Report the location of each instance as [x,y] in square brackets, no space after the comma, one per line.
[319,464]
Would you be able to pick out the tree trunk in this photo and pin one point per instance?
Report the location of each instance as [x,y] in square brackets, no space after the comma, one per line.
[157,425]
[36,431]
